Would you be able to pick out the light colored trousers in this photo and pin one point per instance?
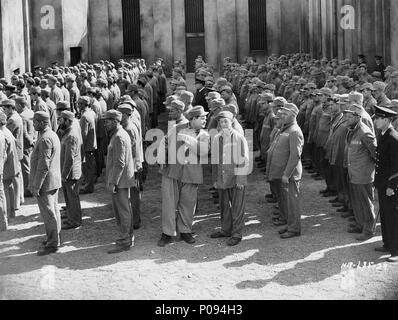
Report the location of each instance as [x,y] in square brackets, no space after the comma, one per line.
[179,202]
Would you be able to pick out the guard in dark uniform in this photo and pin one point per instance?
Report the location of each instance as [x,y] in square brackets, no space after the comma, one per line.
[386,181]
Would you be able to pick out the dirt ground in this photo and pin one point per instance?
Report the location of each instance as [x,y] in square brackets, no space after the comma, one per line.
[326,262]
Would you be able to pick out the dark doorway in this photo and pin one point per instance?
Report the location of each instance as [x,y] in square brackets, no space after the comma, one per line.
[258,25]
[75,55]
[131,28]
[195,31]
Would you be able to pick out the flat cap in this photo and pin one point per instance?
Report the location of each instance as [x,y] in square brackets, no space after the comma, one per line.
[68,115]
[266,97]
[41,116]
[112,115]
[354,108]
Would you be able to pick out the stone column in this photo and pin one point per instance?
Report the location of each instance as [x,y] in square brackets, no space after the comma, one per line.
[99,30]
[163,31]
[290,33]
[27,33]
[147,28]
[394,32]
[242,26]
[367,29]
[273,26]
[340,32]
[211,33]
[115,29]
[227,29]
[178,26]
[74,17]
[12,42]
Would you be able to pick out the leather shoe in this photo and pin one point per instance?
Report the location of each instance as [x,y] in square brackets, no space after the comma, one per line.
[46,251]
[343,210]
[68,226]
[282,231]
[354,230]
[187,237]
[233,242]
[218,235]
[119,249]
[137,226]
[338,205]
[269,196]
[334,200]
[393,259]
[85,191]
[382,249]
[272,201]
[165,240]
[324,191]
[364,237]
[278,223]
[289,235]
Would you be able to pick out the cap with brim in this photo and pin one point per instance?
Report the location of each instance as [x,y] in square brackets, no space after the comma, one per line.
[125,108]
[63,105]
[213,95]
[279,101]
[291,107]
[176,105]
[216,103]
[41,116]
[231,108]
[195,112]
[8,103]
[356,106]
[378,85]
[112,115]
[225,115]
[382,112]
[68,115]
[170,99]
[393,104]
[367,86]
[10,88]
[85,99]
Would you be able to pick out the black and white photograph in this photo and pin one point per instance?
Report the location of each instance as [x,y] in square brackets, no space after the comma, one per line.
[221,152]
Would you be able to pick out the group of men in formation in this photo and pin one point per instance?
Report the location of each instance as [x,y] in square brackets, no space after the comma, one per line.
[62,127]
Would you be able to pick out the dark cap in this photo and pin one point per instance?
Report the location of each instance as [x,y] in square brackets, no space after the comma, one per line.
[382,112]
[41,116]
[68,115]
[112,115]
[63,105]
